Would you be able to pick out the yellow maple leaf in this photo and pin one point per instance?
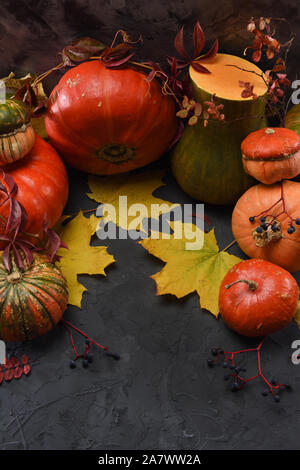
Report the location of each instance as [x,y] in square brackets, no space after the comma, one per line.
[80,258]
[189,270]
[138,189]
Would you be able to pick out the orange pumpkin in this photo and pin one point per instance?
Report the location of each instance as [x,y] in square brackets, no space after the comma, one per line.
[106,121]
[276,243]
[271,154]
[258,298]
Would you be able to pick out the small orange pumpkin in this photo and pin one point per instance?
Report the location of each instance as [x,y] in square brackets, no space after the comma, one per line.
[274,244]
[271,154]
[258,298]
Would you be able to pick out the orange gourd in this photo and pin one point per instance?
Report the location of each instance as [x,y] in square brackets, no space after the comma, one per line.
[258,298]
[271,154]
[278,240]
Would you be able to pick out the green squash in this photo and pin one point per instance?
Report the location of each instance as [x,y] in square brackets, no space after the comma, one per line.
[16,133]
[207,161]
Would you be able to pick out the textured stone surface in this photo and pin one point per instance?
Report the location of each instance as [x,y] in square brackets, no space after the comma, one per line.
[160,394]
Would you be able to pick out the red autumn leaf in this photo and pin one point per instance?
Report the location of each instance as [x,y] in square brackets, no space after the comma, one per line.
[270,53]
[27,369]
[212,51]
[18,372]
[7,364]
[179,44]
[198,67]
[256,56]
[117,63]
[24,359]
[179,63]
[198,38]
[15,361]
[9,375]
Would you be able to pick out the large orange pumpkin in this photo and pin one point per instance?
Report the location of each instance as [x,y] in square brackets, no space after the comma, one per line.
[258,298]
[107,121]
[42,186]
[32,300]
[279,246]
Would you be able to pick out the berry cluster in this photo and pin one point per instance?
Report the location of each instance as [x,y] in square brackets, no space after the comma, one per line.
[269,220]
[265,224]
[87,357]
[226,359]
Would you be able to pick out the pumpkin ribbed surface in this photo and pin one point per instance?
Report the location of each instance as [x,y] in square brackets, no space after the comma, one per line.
[31,301]
[13,114]
[107,121]
[42,186]
[16,132]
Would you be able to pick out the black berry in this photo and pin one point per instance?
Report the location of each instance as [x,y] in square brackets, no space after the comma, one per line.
[297,221]
[291,229]
[72,364]
[259,229]
[265,393]
[85,363]
[251,219]
[214,352]
[235,387]
[274,228]
[277,398]
[117,356]
[90,357]
[262,219]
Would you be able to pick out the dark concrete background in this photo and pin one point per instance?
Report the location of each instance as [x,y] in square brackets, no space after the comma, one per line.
[160,395]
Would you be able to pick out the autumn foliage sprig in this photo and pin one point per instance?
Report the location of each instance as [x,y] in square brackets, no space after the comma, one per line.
[266,40]
[179,83]
[19,244]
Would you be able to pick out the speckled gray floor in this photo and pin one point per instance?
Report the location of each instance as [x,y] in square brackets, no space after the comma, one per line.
[160,395]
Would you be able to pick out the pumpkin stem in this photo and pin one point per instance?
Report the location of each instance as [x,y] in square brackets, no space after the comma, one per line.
[14,277]
[252,284]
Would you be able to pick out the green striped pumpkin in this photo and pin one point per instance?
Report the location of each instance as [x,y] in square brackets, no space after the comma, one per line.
[32,301]
[16,132]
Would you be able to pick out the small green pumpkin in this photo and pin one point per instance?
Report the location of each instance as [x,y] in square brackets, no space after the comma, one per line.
[16,132]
